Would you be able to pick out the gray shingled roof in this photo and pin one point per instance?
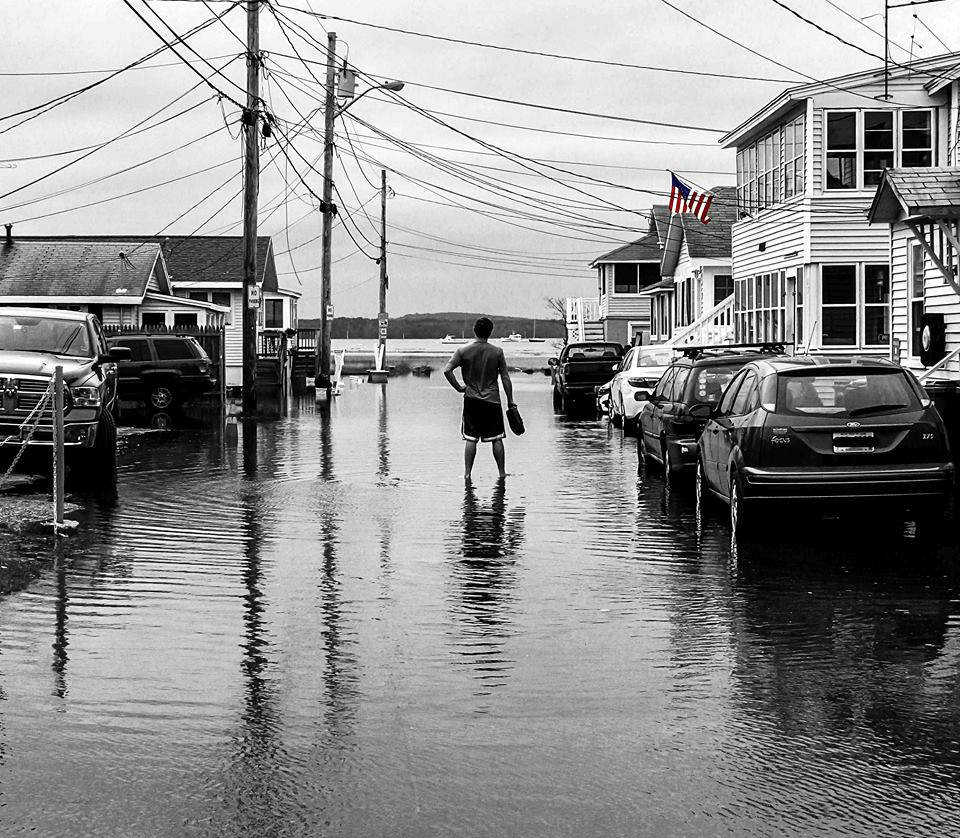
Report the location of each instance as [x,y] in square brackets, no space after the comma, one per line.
[111,269]
[646,249]
[924,188]
[195,258]
[713,240]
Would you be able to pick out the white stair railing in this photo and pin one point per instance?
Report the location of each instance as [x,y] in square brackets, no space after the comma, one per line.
[713,327]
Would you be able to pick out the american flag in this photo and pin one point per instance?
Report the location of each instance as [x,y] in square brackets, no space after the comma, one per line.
[687,200]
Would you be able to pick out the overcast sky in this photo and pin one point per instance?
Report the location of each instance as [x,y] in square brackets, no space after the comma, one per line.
[496,205]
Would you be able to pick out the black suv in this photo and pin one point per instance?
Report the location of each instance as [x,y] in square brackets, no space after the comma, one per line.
[33,342]
[829,431]
[163,369]
[674,415]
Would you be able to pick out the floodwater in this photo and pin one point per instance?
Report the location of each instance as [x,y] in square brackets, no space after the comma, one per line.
[321,631]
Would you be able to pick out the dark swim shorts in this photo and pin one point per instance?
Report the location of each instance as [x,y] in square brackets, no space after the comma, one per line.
[482,421]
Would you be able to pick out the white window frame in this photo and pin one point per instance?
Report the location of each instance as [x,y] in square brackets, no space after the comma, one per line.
[859,305]
[898,149]
[914,250]
[760,306]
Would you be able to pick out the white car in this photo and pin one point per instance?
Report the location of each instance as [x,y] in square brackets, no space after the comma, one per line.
[639,372]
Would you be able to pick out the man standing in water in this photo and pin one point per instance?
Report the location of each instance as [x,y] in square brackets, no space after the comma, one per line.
[483,367]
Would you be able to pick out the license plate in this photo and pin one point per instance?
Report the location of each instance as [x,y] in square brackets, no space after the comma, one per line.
[854,442]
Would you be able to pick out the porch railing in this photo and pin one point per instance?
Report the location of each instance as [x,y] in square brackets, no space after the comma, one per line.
[713,327]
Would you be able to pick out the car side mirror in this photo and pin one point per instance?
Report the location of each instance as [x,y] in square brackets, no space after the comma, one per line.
[702,411]
[642,396]
[552,362]
[616,368]
[116,353]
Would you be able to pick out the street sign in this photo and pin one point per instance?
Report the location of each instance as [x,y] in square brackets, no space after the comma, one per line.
[330,311]
[383,321]
[253,296]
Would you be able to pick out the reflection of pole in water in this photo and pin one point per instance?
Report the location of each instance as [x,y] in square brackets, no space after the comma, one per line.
[335,674]
[383,440]
[484,573]
[60,637]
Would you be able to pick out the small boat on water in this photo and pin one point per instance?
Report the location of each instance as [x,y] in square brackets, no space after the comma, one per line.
[513,337]
[452,339]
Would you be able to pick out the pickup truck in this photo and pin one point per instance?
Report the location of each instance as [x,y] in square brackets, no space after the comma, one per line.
[33,342]
[579,370]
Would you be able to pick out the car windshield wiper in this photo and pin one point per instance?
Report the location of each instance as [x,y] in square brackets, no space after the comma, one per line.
[875,408]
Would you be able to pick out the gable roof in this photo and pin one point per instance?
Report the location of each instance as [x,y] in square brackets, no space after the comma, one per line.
[645,249]
[713,240]
[931,74]
[95,272]
[930,191]
[201,259]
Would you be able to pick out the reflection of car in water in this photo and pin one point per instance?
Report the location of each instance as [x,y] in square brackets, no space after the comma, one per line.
[827,432]
[33,342]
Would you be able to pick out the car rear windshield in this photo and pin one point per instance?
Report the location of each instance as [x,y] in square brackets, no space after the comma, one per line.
[56,336]
[707,383]
[595,352]
[654,357]
[837,394]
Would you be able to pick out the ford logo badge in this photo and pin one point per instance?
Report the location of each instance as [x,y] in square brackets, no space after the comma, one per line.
[853,424]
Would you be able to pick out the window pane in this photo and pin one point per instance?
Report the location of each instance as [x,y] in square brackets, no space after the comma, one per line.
[916,120]
[875,329]
[221,298]
[841,171]
[625,279]
[841,130]
[874,162]
[170,349]
[197,295]
[876,284]
[878,129]
[139,349]
[917,158]
[839,284]
[840,326]
[183,319]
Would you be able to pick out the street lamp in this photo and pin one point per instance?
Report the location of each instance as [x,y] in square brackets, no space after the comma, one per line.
[331,111]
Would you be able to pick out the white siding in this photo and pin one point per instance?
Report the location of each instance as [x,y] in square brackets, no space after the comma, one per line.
[839,231]
[781,233]
[233,342]
[938,296]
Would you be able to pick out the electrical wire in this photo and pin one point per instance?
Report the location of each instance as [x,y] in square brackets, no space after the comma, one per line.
[595,61]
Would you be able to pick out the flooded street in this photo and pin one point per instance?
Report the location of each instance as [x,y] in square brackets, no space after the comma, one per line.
[320,631]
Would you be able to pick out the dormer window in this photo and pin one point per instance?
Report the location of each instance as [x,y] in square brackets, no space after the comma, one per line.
[861,144]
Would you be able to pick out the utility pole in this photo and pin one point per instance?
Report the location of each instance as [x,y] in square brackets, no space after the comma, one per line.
[322,380]
[251,184]
[382,320]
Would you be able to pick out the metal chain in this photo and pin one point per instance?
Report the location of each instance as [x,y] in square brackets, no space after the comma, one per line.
[36,412]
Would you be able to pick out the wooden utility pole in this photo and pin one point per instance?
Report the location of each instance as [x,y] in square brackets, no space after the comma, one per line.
[251,185]
[382,320]
[327,209]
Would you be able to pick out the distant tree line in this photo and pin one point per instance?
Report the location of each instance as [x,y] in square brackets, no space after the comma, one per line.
[439,324]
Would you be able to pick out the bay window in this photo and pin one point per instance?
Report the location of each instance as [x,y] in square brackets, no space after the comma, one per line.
[859,145]
[633,278]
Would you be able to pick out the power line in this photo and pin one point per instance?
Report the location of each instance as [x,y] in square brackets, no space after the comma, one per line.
[597,61]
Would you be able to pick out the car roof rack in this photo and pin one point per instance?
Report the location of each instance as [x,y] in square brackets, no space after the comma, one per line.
[718,350]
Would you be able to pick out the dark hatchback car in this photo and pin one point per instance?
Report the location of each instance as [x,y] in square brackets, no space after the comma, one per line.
[163,370]
[674,415]
[832,430]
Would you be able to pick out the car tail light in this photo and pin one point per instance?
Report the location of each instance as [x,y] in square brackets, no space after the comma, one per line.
[641,382]
[203,367]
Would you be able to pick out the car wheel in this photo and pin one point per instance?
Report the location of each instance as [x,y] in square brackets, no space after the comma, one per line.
[100,461]
[630,426]
[557,401]
[616,417]
[566,404]
[161,396]
[739,520]
[700,488]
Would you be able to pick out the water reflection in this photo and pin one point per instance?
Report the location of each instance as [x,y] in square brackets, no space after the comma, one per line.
[483,572]
[61,640]
[850,641]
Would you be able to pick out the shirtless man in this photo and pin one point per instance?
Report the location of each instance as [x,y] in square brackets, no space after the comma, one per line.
[483,367]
